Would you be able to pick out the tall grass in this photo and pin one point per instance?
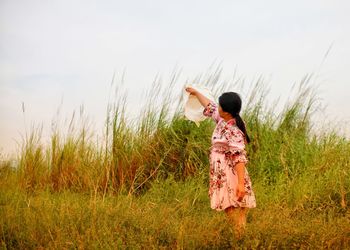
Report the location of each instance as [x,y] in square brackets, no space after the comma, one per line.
[145,183]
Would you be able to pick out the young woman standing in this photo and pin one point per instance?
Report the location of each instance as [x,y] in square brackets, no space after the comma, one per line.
[230,187]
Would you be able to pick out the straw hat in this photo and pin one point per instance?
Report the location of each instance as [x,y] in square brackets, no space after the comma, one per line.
[193,108]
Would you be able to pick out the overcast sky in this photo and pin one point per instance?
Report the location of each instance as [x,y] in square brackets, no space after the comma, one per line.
[54,52]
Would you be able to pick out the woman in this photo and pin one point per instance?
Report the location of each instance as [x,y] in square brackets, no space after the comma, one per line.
[230,187]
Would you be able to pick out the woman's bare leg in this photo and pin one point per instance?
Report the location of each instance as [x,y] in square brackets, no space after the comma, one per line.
[243,218]
[237,217]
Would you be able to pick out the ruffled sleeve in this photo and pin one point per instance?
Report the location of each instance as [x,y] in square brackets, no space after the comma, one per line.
[236,146]
[211,110]
[237,156]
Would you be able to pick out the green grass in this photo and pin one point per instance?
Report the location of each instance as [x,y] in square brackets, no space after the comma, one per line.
[145,185]
[172,214]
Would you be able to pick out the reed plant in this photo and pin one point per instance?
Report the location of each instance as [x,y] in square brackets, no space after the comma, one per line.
[144,185]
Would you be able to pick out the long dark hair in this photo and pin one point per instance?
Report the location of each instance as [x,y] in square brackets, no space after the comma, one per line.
[231,102]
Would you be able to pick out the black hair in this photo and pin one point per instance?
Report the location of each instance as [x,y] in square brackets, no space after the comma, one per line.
[231,102]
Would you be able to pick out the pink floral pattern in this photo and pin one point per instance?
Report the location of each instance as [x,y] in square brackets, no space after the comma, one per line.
[228,149]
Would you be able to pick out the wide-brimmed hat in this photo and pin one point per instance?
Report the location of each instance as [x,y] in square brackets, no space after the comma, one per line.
[193,108]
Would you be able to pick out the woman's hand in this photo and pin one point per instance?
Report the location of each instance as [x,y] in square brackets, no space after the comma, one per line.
[240,191]
[201,98]
[192,91]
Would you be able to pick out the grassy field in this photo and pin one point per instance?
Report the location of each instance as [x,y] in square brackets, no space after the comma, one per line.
[144,186]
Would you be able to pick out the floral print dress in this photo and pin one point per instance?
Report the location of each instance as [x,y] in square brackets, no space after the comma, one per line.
[228,149]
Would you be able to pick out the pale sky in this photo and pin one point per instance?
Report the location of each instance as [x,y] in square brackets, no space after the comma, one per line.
[61,51]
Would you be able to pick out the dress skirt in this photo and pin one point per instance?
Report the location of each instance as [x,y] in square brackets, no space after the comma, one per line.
[224,180]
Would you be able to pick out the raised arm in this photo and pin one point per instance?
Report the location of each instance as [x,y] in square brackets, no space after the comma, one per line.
[201,98]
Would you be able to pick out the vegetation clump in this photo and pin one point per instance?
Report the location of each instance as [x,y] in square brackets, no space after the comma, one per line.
[145,184]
